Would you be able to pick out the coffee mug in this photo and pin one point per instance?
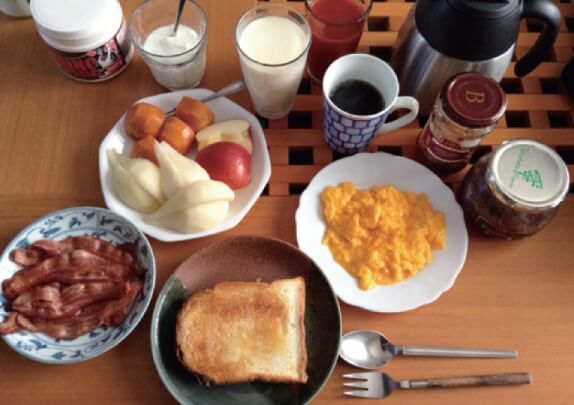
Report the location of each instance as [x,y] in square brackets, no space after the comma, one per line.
[351,133]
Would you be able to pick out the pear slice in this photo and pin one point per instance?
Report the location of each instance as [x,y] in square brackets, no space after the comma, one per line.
[196,218]
[146,174]
[136,182]
[176,171]
[196,207]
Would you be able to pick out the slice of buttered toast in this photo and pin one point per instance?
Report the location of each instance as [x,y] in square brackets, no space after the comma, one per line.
[242,331]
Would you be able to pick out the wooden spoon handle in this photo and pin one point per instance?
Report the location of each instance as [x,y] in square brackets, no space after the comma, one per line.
[470,381]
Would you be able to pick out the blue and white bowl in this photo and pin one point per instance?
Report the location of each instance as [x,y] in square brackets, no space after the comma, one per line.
[79,221]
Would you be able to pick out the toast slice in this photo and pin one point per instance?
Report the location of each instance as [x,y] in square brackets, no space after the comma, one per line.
[243,331]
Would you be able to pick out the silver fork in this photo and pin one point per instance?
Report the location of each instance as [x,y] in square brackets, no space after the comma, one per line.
[381,385]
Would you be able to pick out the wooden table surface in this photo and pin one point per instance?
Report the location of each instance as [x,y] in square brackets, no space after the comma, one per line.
[510,294]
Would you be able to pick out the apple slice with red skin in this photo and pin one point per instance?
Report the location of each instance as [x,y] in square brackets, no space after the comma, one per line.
[228,162]
[238,131]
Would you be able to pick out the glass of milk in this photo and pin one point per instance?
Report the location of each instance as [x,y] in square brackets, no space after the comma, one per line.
[177,61]
[272,41]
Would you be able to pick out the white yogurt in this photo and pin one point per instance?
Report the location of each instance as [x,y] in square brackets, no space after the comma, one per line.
[273,57]
[161,41]
[172,58]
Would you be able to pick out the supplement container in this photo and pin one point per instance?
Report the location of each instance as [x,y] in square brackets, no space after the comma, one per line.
[515,191]
[468,108]
[87,38]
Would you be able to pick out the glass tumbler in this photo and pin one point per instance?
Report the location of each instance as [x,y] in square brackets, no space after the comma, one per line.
[272,41]
[337,26]
[176,61]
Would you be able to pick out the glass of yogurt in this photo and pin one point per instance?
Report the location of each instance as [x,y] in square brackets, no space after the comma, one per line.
[272,41]
[176,60]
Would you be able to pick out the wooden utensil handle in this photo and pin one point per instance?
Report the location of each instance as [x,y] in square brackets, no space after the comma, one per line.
[470,381]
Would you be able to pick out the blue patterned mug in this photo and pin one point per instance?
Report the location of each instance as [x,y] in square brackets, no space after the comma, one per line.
[350,133]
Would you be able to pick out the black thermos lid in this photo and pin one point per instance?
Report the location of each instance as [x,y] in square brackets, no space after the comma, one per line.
[472,30]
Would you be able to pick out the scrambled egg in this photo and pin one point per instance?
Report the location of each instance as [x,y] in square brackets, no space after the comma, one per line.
[381,235]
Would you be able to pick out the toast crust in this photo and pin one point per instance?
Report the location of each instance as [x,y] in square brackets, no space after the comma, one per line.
[244,331]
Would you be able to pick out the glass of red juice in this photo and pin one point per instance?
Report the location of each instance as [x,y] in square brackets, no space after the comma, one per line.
[337,26]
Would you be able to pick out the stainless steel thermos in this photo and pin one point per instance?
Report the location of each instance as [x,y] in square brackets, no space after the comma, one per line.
[441,38]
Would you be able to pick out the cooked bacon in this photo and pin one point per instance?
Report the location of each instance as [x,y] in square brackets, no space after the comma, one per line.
[131,291]
[124,254]
[70,287]
[30,256]
[53,302]
[53,247]
[88,318]
[74,266]
[10,325]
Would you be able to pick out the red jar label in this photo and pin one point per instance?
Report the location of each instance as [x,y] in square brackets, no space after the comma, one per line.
[96,64]
[443,149]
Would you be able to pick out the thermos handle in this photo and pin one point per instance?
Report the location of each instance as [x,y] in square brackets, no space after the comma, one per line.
[549,14]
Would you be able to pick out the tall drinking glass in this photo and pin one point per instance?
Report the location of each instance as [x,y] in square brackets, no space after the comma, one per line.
[272,41]
[337,26]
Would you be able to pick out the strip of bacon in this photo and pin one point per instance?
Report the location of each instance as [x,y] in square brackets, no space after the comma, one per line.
[30,256]
[93,245]
[53,302]
[10,325]
[87,319]
[75,266]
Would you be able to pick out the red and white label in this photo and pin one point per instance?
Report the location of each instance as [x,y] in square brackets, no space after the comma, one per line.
[96,64]
[443,149]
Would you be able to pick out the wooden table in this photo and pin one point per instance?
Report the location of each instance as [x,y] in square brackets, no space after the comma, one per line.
[510,294]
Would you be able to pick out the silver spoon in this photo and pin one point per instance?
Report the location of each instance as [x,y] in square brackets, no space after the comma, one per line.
[370,349]
[231,88]
[178,17]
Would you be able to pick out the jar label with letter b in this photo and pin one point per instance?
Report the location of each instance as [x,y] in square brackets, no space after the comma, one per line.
[444,149]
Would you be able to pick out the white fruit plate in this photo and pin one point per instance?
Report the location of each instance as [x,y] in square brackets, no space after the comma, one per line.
[367,170]
[223,109]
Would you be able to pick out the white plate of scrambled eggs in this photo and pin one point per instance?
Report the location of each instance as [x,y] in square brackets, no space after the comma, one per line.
[386,231]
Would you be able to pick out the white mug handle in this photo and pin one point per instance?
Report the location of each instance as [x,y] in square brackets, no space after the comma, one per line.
[403,102]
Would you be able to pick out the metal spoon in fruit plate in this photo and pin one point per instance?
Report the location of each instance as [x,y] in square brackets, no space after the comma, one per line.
[370,349]
[231,88]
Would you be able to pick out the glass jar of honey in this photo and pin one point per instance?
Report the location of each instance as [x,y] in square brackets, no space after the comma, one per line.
[467,109]
[515,190]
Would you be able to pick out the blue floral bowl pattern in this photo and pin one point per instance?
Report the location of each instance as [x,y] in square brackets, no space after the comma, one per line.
[79,221]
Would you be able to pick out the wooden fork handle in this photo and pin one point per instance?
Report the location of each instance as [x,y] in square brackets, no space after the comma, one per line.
[471,381]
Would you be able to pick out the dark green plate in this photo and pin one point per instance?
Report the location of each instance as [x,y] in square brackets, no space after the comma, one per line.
[247,258]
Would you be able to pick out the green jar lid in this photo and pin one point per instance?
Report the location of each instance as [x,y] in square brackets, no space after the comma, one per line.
[529,174]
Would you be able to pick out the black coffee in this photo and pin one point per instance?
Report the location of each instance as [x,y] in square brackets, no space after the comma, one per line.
[358,97]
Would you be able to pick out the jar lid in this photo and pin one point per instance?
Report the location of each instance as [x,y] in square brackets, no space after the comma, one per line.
[473,100]
[529,173]
[74,25]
